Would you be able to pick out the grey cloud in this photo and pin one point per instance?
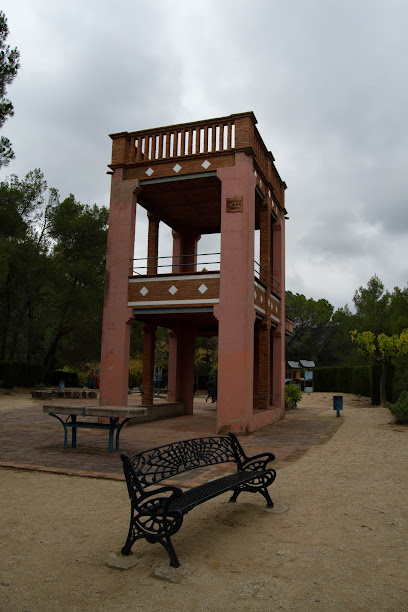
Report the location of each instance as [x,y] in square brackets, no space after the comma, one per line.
[326,80]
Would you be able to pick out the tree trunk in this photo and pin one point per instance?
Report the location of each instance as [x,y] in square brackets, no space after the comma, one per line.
[62,330]
[50,357]
[6,320]
[384,369]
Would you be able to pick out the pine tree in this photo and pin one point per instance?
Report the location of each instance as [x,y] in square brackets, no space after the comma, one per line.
[9,65]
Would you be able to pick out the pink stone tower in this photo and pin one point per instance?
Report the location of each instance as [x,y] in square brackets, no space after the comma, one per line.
[207,177]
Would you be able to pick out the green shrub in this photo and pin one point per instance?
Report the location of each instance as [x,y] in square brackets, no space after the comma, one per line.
[400,408]
[292,394]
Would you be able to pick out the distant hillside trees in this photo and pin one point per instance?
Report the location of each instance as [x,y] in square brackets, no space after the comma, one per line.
[52,263]
[379,326]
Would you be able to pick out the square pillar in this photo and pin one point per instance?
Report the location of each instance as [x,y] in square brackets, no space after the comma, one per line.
[185,245]
[152,244]
[278,372]
[265,327]
[256,368]
[181,367]
[149,337]
[264,370]
[278,333]
[117,316]
[172,368]
[235,311]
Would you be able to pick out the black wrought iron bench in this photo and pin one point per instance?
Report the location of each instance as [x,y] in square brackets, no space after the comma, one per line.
[157,514]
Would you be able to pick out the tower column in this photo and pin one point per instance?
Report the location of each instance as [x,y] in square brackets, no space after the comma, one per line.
[278,334]
[172,368]
[152,244]
[235,311]
[264,372]
[149,337]
[117,316]
[183,244]
[181,367]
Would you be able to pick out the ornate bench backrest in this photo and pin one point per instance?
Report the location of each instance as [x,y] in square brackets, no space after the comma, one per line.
[154,465]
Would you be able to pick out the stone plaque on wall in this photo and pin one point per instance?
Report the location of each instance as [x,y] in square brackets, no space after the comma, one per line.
[235,204]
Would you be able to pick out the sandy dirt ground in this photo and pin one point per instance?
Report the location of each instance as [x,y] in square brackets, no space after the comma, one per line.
[335,541]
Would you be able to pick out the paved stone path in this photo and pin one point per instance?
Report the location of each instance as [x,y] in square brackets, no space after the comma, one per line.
[30,439]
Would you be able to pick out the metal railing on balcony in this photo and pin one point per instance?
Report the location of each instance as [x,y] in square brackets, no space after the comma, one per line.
[261,274]
[208,262]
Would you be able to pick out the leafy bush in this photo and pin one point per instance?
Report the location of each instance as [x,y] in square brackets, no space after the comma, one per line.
[292,394]
[400,408]
[135,372]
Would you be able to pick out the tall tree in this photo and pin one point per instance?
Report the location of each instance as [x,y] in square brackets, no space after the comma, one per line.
[52,258]
[383,349]
[79,233]
[312,329]
[372,307]
[9,65]
[22,261]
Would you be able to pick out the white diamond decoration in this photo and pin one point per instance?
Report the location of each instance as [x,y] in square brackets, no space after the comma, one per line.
[149,172]
[255,173]
[173,290]
[206,164]
[269,302]
[261,298]
[143,291]
[177,168]
[255,294]
[202,288]
[260,182]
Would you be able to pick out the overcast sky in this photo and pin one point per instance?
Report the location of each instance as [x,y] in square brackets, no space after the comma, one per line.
[326,79]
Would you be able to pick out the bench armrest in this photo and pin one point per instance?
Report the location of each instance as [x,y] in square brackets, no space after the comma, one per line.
[157,501]
[257,463]
[151,516]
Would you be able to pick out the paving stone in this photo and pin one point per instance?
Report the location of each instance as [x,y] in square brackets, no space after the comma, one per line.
[118,561]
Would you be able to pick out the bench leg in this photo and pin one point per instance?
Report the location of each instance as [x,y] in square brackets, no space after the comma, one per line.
[131,538]
[266,495]
[234,496]
[167,544]
[263,491]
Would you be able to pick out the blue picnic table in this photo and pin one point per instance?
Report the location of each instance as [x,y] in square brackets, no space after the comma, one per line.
[118,417]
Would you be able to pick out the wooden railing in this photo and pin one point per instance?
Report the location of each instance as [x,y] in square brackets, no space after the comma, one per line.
[210,137]
[187,140]
[206,137]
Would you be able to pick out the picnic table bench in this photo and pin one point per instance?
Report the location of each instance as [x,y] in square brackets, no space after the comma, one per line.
[157,514]
[118,417]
